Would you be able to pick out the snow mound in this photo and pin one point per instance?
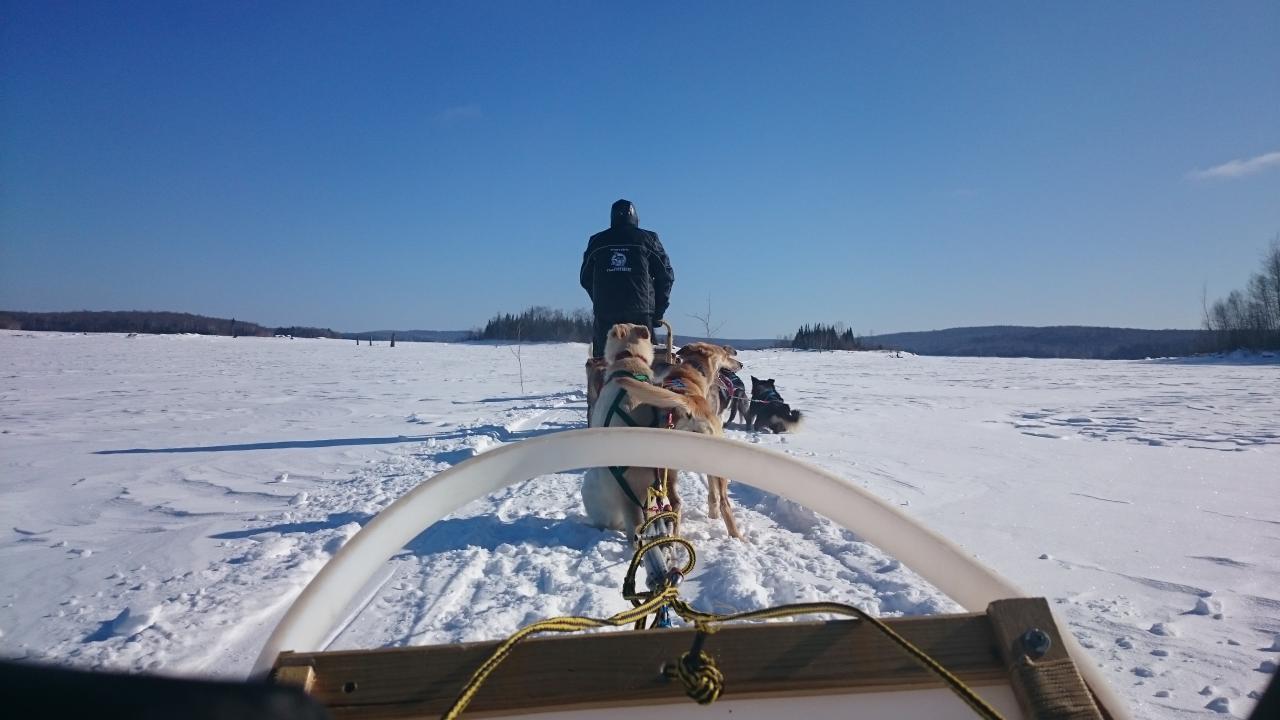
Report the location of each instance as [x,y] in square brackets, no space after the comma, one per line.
[132,621]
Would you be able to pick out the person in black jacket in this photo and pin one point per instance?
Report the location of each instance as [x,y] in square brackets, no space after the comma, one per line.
[626,273]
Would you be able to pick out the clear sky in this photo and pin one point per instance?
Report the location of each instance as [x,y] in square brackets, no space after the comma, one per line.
[893,166]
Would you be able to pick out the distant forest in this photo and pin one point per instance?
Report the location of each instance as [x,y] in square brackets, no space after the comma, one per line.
[1250,319]
[137,321]
[827,337]
[538,324]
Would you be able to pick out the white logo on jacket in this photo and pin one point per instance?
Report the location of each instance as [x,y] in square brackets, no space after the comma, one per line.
[618,261]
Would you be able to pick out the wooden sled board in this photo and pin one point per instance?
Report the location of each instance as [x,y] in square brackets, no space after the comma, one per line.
[836,658]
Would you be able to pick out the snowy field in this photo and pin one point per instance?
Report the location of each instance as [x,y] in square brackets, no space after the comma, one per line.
[165,498]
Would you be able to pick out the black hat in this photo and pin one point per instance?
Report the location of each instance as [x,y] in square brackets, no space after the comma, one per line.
[623,213]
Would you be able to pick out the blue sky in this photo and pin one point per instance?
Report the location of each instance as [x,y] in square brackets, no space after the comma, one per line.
[892,166]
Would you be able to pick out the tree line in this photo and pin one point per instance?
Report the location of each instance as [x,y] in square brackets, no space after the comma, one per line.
[826,337]
[1250,318]
[146,322]
[307,332]
[538,324]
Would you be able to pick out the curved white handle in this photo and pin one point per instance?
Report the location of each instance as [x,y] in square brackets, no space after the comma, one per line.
[936,559]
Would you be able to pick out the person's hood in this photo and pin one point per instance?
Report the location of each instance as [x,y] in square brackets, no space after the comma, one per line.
[623,213]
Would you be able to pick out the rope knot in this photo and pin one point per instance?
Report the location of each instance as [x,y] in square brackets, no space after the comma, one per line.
[702,680]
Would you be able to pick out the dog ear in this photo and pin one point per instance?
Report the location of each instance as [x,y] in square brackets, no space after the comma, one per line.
[769,381]
[642,332]
[730,349]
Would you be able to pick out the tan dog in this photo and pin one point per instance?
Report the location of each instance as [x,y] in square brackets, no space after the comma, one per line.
[694,377]
[626,399]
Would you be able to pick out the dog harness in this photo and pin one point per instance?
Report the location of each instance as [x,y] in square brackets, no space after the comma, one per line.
[726,389]
[615,410]
[769,395]
[659,570]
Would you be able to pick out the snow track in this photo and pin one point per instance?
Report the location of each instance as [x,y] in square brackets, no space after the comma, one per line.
[526,553]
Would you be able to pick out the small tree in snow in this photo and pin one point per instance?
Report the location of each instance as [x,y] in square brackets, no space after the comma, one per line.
[516,350]
[709,328]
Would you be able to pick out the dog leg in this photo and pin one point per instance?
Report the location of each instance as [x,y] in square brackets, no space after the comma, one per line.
[713,498]
[636,519]
[595,383]
[726,509]
[673,496]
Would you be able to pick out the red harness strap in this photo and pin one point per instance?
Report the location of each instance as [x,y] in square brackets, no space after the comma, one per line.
[675,385]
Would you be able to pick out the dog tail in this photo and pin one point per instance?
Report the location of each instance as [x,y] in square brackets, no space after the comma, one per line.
[653,396]
[791,421]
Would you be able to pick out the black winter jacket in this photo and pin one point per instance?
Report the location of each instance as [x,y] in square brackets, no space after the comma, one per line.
[626,271]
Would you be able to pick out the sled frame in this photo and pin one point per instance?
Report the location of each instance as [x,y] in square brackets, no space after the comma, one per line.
[617,669]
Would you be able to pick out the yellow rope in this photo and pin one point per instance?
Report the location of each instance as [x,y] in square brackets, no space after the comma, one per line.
[697,670]
[561,624]
[703,681]
[971,698]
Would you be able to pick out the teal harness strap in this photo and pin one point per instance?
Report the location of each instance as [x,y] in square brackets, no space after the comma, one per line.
[615,410]
[634,376]
[619,475]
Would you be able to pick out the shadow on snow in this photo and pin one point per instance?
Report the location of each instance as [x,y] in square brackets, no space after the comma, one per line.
[497,432]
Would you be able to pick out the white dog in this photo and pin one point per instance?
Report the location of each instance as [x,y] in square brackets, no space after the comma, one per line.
[615,497]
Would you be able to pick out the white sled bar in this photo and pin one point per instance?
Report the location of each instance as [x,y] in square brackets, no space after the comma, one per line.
[319,607]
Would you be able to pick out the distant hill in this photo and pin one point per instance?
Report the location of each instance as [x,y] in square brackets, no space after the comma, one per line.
[1068,341]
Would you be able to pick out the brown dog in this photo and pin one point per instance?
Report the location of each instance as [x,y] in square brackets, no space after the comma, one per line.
[694,378]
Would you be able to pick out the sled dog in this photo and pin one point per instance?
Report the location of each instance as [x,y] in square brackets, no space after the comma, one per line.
[695,378]
[615,497]
[768,410]
[733,396]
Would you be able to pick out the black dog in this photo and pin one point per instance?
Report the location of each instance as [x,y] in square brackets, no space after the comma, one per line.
[768,410]
[733,395]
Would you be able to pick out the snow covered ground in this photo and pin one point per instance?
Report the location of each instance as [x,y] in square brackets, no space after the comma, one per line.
[165,498]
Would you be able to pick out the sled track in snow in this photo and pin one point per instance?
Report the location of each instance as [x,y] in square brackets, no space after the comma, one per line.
[527,553]
[393,595]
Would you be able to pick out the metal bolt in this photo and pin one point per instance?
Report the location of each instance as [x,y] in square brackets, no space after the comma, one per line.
[1036,642]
